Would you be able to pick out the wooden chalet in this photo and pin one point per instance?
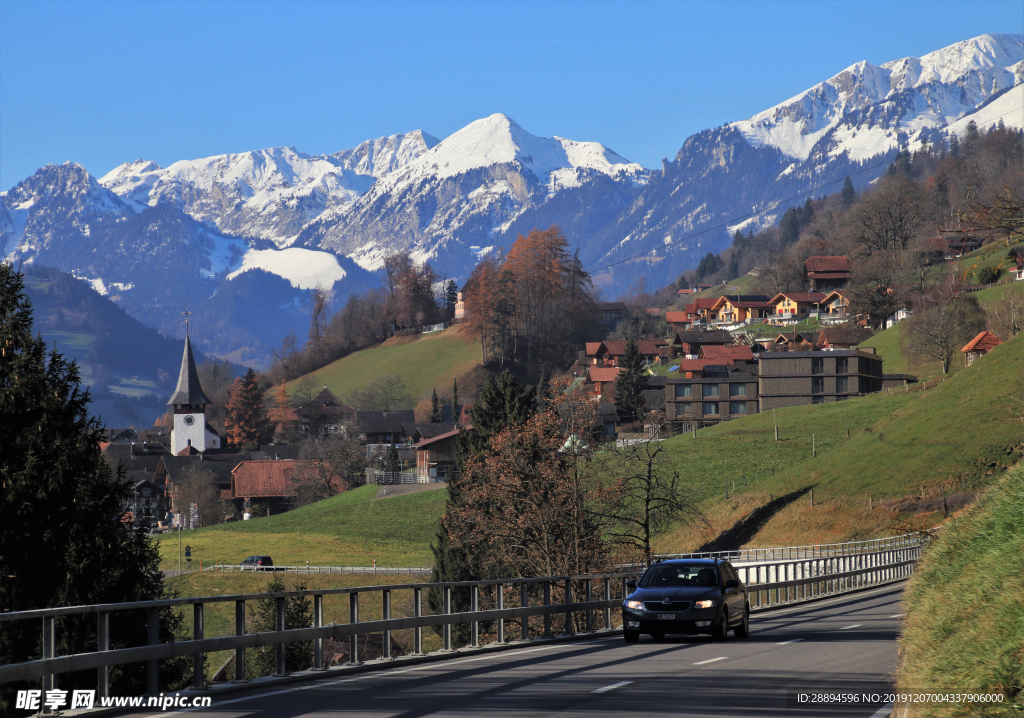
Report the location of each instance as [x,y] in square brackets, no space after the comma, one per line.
[980,346]
[828,273]
[435,457]
[796,305]
[736,308]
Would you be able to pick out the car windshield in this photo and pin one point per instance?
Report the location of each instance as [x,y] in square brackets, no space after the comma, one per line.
[680,576]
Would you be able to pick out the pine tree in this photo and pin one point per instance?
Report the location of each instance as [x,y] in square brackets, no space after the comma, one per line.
[436,412]
[451,296]
[848,195]
[954,145]
[62,538]
[243,414]
[455,401]
[298,613]
[630,384]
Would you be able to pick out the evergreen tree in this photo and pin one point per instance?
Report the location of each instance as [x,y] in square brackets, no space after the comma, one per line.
[630,384]
[708,267]
[451,296]
[63,541]
[502,402]
[848,195]
[436,412]
[954,145]
[455,401]
[298,613]
[244,419]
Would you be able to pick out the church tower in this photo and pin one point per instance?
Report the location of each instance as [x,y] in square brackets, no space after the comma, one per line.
[190,404]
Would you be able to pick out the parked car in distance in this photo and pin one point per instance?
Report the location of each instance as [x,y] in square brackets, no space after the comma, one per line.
[686,596]
[258,563]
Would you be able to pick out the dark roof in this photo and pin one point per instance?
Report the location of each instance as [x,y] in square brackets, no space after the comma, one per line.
[844,335]
[606,410]
[135,457]
[218,464]
[828,264]
[655,382]
[188,390]
[275,452]
[734,298]
[717,336]
[428,430]
[374,421]
[716,371]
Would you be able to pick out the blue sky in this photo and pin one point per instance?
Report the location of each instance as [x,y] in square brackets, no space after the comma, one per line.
[105,82]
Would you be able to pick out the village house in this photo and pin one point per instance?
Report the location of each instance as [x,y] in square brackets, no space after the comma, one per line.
[172,473]
[603,381]
[980,346]
[460,307]
[1016,271]
[830,338]
[796,305]
[798,378]
[417,432]
[836,304]
[689,343]
[731,354]
[739,308]
[958,246]
[696,312]
[828,273]
[435,457]
[325,414]
[378,428]
[611,351]
[609,314]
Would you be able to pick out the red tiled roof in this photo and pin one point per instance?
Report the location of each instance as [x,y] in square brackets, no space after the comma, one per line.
[673,317]
[733,352]
[252,479]
[830,275]
[805,297]
[837,293]
[647,347]
[602,373]
[698,364]
[843,335]
[592,348]
[984,342]
[828,264]
[703,303]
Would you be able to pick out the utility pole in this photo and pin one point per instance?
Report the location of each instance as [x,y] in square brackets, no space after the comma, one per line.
[179,546]
[776,422]
[847,422]
[814,454]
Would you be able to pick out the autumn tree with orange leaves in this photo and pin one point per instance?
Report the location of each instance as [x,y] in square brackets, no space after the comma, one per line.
[535,306]
[244,420]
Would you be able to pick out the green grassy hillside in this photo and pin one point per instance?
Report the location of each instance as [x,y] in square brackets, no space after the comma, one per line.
[946,437]
[429,361]
[350,529]
[974,644]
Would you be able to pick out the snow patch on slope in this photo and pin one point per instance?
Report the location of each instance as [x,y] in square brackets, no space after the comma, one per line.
[1008,107]
[304,268]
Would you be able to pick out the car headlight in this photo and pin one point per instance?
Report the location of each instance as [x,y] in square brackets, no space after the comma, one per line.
[635,605]
[709,603]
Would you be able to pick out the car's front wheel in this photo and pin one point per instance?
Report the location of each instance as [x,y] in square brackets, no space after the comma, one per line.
[721,631]
[630,636]
[743,630]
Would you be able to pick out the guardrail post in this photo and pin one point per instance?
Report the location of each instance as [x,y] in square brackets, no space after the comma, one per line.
[607,597]
[474,606]
[590,612]
[239,631]
[386,615]
[198,670]
[49,647]
[417,609]
[447,632]
[499,603]
[569,628]
[318,621]
[103,644]
[353,617]
[281,666]
[524,601]
[153,665]
[547,616]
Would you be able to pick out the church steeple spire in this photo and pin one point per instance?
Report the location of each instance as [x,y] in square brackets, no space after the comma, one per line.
[188,392]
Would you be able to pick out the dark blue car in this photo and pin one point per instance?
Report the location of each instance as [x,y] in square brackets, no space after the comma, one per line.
[686,596]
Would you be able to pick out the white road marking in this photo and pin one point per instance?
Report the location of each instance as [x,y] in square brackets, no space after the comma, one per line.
[847,628]
[711,660]
[786,643]
[896,615]
[883,712]
[612,687]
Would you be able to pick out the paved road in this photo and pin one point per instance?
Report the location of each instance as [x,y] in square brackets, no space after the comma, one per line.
[839,645]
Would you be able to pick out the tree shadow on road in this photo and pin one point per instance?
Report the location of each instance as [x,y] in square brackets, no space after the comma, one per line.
[747,527]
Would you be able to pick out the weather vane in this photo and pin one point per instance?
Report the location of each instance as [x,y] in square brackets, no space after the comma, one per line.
[186,313]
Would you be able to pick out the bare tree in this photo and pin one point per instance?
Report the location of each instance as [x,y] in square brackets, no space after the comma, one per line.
[332,463]
[198,497]
[879,289]
[318,323]
[945,319]
[385,393]
[890,217]
[645,499]
[1007,315]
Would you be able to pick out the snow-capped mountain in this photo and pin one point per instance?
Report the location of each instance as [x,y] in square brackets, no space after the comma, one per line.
[270,194]
[449,203]
[850,124]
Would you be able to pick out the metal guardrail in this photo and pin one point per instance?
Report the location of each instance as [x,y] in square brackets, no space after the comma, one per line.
[788,553]
[768,585]
[320,570]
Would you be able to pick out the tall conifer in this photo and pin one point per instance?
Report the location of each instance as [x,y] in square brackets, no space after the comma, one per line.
[630,384]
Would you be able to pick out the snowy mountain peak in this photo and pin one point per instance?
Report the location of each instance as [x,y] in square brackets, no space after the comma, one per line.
[893,102]
[376,158]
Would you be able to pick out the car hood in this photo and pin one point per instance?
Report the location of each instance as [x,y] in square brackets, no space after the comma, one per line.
[675,593]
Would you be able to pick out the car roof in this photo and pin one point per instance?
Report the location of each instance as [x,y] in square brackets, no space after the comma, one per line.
[690,562]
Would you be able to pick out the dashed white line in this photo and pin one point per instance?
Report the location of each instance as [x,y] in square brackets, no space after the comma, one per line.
[711,660]
[847,628]
[612,687]
[786,643]
[896,615]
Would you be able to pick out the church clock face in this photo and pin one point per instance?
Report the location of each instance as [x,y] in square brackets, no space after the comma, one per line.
[189,420]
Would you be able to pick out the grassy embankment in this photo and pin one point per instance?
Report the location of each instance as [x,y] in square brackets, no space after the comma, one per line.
[973,643]
[424,362]
[350,529]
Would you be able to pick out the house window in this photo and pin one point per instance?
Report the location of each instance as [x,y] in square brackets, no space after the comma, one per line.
[710,390]
[684,391]
[684,408]
[842,384]
[818,385]
[842,365]
[710,408]
[737,390]
[737,407]
[817,365]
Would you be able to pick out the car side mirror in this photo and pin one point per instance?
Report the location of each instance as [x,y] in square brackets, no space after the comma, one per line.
[631,584]
[732,583]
